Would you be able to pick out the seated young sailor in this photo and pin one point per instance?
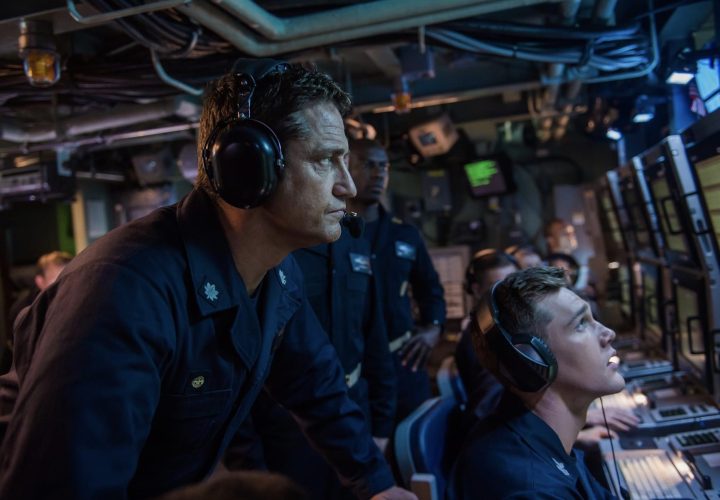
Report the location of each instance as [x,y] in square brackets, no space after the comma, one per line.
[541,341]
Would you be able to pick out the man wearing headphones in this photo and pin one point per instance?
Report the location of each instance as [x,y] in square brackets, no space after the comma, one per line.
[403,265]
[143,359]
[541,341]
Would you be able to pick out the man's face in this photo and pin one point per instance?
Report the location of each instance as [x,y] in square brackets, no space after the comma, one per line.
[582,348]
[562,238]
[490,277]
[312,194]
[369,167]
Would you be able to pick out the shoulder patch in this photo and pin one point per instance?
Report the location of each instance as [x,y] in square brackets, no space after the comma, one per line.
[405,250]
[397,220]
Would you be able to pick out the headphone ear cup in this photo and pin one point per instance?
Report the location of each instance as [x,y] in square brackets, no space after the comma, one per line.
[531,362]
[246,162]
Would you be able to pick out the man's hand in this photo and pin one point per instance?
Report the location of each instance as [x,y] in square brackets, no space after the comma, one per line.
[381,443]
[593,435]
[395,493]
[416,351]
[618,419]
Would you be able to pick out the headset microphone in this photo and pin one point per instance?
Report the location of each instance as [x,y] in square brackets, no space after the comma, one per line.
[354,223]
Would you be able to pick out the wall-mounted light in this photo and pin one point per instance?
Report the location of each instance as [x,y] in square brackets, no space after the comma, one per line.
[683,66]
[36,47]
[679,77]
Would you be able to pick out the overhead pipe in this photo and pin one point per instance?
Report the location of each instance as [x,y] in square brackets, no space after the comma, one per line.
[242,38]
[121,116]
[604,10]
[555,71]
[342,18]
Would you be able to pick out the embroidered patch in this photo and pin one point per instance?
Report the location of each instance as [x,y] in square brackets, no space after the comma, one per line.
[405,250]
[283,279]
[360,263]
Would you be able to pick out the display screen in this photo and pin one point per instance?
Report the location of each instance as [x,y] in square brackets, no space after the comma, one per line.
[652,326]
[635,212]
[486,178]
[691,338]
[708,172]
[666,211]
[707,78]
[607,212]
[625,290]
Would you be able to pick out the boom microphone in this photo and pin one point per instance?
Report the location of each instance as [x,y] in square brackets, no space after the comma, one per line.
[354,223]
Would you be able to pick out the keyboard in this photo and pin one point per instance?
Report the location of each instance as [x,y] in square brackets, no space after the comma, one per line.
[650,474]
[641,368]
[695,441]
[681,411]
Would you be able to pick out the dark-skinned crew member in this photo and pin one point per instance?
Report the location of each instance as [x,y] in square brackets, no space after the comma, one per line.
[402,265]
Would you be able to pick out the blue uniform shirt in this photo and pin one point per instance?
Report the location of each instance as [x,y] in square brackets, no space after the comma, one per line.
[402,263]
[515,454]
[401,260]
[342,291]
[140,363]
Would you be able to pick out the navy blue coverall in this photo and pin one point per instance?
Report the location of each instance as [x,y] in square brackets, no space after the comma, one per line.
[515,454]
[401,261]
[341,290]
[139,364]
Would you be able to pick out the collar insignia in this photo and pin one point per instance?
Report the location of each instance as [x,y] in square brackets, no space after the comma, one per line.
[561,467]
[211,292]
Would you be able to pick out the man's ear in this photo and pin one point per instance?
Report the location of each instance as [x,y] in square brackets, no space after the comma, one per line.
[40,281]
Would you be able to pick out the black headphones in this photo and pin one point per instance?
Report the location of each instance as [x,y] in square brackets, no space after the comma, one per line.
[242,157]
[524,359]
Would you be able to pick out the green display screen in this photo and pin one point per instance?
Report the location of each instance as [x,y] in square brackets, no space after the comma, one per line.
[480,173]
[485,178]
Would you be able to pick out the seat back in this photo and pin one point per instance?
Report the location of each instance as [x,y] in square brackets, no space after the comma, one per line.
[449,382]
[426,442]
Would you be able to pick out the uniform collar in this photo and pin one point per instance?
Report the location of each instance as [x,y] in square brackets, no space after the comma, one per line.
[539,436]
[216,282]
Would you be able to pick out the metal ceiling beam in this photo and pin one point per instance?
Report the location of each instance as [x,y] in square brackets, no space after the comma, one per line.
[244,39]
[121,116]
[342,18]
[385,60]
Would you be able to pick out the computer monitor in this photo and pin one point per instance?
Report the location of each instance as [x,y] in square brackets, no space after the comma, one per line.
[705,163]
[693,341]
[651,306]
[613,180]
[489,176]
[634,205]
[626,289]
[707,79]
[612,234]
[673,237]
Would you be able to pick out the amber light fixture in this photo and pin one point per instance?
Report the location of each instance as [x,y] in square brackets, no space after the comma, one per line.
[36,47]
